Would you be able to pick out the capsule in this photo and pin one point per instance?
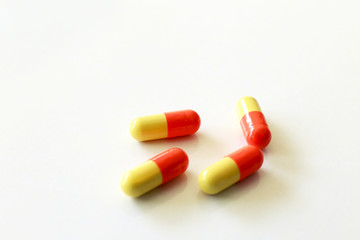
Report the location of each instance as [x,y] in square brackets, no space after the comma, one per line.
[165,125]
[154,172]
[253,122]
[231,169]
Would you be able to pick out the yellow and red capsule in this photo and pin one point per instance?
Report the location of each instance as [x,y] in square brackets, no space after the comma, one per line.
[253,122]
[231,169]
[165,125]
[154,172]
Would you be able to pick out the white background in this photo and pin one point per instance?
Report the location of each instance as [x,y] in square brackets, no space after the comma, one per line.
[73,74]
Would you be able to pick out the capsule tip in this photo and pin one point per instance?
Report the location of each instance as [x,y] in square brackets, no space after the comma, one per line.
[246,98]
[172,163]
[196,121]
[135,130]
[128,185]
[208,184]
[259,137]
[181,154]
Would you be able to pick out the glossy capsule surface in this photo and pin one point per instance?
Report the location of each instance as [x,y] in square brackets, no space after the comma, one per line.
[253,122]
[165,125]
[231,169]
[154,172]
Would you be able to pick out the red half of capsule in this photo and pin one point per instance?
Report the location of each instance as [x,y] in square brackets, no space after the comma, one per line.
[181,123]
[172,163]
[256,130]
[248,159]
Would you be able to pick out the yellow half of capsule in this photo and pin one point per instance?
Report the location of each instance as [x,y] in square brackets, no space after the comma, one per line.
[245,105]
[149,127]
[141,179]
[219,176]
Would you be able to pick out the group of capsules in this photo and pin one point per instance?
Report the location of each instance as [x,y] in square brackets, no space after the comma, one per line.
[174,161]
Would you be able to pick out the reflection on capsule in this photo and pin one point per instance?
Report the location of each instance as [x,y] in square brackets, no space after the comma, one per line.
[154,172]
[253,122]
[165,125]
[231,169]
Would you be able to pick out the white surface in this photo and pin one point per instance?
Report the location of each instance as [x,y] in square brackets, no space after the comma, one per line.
[73,74]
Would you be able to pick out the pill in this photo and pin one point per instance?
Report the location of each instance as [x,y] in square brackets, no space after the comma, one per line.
[154,172]
[231,169]
[165,125]
[253,122]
